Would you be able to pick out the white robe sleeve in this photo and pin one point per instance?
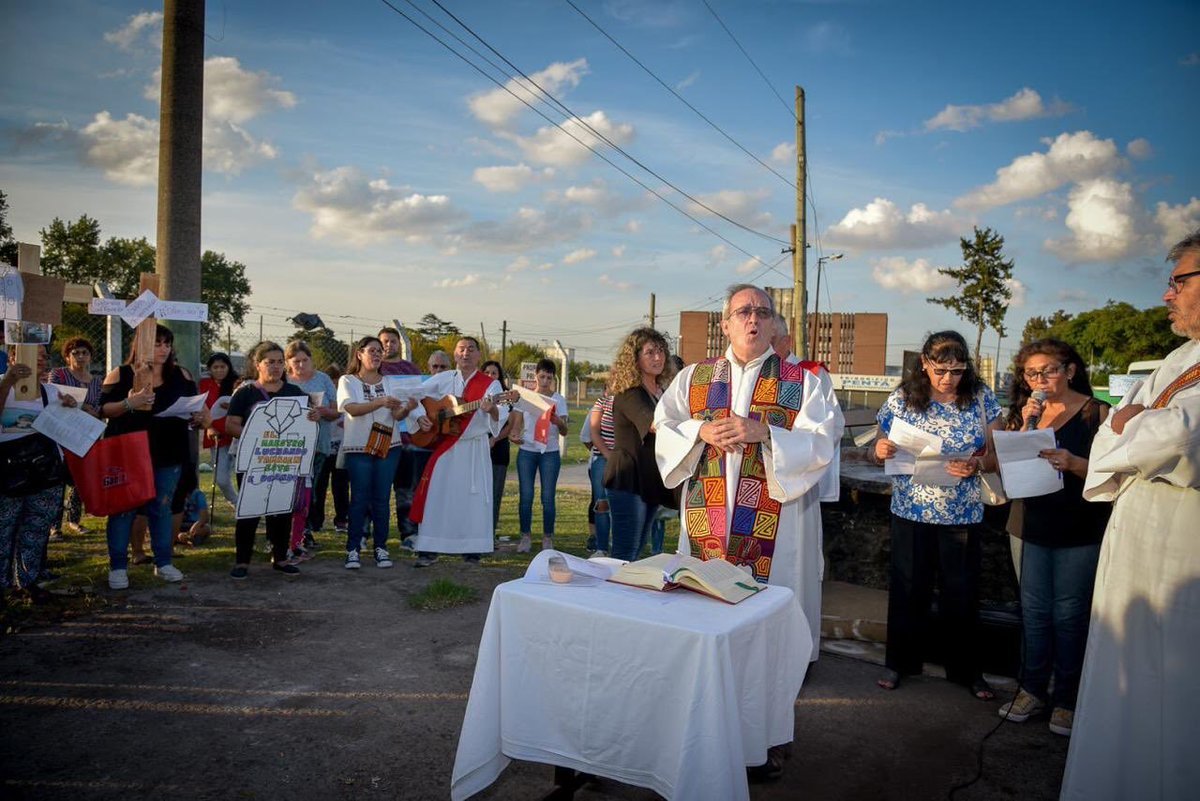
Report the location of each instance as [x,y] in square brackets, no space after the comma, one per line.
[677,443]
[482,425]
[799,457]
[1157,444]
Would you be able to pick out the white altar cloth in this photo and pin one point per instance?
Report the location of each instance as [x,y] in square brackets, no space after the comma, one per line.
[672,691]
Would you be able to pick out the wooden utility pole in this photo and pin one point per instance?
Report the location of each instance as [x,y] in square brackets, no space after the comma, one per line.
[651,309]
[799,238]
[503,342]
[181,123]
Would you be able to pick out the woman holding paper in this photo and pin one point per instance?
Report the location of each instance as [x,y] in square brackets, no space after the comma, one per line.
[1059,534]
[77,353]
[371,447]
[264,381]
[219,386]
[322,396]
[164,383]
[500,446]
[935,527]
[539,455]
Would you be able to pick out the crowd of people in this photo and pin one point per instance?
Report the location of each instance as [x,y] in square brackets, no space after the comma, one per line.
[743,447]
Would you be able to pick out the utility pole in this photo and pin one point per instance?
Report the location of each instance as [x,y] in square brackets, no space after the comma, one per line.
[260,328]
[799,238]
[181,122]
[651,309]
[503,342]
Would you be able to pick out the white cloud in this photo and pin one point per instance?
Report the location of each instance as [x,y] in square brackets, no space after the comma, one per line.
[527,229]
[1070,158]
[469,279]
[901,275]
[232,94]
[1140,149]
[881,137]
[1045,213]
[509,178]
[827,38]
[1026,104]
[566,145]
[596,196]
[1074,295]
[578,255]
[523,263]
[126,150]
[348,206]
[1176,222]
[747,266]
[1019,291]
[718,254]
[633,226]
[883,224]
[688,81]
[605,280]
[737,204]
[784,153]
[618,252]
[497,108]
[1104,220]
[147,22]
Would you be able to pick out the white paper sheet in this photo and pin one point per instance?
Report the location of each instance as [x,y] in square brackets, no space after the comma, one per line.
[181,310]
[910,441]
[73,429]
[110,307]
[12,293]
[220,408]
[185,407]
[930,469]
[139,309]
[403,386]
[532,403]
[78,393]
[1024,473]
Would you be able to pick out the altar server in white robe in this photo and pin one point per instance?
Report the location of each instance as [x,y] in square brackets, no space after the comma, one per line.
[770,518]
[453,502]
[1137,723]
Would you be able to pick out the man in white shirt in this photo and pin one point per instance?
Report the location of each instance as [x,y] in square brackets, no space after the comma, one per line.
[1137,722]
[453,502]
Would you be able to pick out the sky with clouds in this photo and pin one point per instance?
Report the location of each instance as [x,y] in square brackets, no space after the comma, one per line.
[364,172]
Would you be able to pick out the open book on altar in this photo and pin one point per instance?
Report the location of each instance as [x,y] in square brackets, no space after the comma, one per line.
[666,571]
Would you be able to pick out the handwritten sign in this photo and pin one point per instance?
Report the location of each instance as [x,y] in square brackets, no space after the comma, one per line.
[160,309]
[108,306]
[140,309]
[180,310]
[275,452]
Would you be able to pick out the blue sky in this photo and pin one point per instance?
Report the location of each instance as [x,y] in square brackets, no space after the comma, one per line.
[362,172]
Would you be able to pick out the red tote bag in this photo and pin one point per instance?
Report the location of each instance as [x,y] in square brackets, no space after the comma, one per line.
[116,474]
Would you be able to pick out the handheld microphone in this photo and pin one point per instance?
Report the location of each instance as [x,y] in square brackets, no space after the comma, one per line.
[1039,396]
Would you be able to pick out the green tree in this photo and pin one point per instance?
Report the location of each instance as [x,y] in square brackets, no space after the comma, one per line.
[72,250]
[224,287]
[122,262]
[8,245]
[521,352]
[433,327]
[1040,327]
[1111,337]
[983,292]
[326,348]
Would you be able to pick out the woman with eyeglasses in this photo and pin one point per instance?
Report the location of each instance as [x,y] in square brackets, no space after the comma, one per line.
[77,372]
[640,373]
[1056,543]
[935,534]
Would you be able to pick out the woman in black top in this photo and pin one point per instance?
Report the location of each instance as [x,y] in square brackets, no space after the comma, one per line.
[640,373]
[264,381]
[163,382]
[500,450]
[1060,532]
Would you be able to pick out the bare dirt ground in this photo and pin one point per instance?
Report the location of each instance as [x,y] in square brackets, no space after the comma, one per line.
[331,687]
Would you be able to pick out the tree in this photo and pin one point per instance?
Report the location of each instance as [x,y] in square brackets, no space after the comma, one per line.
[433,327]
[326,348]
[520,352]
[122,262]
[224,287]
[1040,327]
[983,291]
[8,245]
[72,251]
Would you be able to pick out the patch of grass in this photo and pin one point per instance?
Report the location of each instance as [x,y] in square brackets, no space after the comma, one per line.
[442,594]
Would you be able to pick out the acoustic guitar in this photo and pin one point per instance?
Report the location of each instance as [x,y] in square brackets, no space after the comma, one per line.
[446,414]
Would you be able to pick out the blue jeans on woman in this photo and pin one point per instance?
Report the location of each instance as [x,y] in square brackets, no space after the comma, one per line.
[603,516]
[632,519]
[370,490]
[158,517]
[499,476]
[1056,604]
[546,466]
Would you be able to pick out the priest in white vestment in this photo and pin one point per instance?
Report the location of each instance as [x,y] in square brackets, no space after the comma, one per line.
[457,512]
[1137,724]
[794,458]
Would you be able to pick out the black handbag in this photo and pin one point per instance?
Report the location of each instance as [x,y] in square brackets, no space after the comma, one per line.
[29,464]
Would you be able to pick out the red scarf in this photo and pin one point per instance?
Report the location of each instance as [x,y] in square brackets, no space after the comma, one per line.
[474,390]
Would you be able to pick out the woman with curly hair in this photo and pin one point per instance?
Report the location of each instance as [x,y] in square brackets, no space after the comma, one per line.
[77,355]
[1058,535]
[639,374]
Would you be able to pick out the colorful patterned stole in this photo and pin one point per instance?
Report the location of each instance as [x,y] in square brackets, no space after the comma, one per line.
[1189,377]
[747,537]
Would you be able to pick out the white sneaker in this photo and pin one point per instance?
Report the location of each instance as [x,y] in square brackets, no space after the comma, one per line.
[595,554]
[381,558]
[118,579]
[352,561]
[1022,708]
[169,573]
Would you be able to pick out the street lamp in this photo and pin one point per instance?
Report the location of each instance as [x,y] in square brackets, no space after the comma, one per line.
[817,303]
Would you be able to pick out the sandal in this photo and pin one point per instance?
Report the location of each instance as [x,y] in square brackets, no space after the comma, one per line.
[982,690]
[890,680]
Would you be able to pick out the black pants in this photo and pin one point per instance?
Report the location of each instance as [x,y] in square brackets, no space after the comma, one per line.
[279,533]
[922,554]
[316,508]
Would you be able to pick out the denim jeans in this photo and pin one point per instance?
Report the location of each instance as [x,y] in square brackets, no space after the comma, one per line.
[632,519]
[547,466]
[370,490]
[499,476]
[223,471]
[603,517]
[1056,604]
[158,516]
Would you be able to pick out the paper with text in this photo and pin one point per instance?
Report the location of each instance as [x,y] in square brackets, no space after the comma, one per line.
[1024,473]
[72,428]
[185,407]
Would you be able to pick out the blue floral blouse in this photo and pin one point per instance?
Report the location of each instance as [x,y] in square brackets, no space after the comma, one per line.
[960,430]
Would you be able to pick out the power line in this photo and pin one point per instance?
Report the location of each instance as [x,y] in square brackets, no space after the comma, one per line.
[541,114]
[566,111]
[680,97]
